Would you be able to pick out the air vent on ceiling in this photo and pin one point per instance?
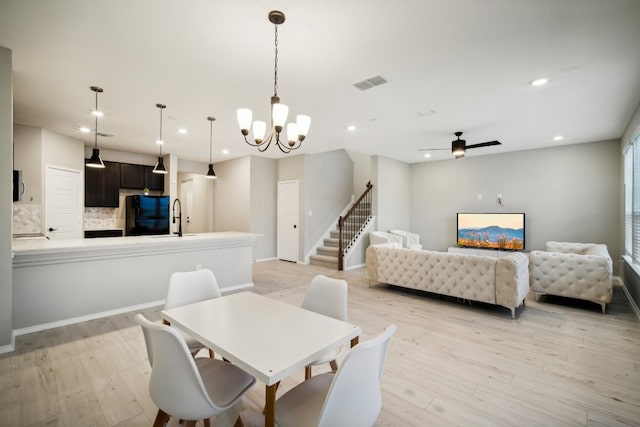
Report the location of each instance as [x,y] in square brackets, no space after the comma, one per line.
[370,82]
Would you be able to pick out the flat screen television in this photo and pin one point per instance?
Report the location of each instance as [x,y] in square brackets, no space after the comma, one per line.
[502,231]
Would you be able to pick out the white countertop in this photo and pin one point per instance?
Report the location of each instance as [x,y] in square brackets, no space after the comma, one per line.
[126,243]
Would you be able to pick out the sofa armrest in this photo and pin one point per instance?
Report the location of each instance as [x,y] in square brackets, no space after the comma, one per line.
[371,263]
[587,277]
[512,279]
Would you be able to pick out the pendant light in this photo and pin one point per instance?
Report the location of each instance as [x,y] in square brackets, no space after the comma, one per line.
[296,132]
[210,173]
[159,167]
[95,161]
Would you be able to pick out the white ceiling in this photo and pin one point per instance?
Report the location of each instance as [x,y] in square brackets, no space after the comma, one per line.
[451,65]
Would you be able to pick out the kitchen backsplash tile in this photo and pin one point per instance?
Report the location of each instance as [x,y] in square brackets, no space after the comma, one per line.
[27,218]
[102,218]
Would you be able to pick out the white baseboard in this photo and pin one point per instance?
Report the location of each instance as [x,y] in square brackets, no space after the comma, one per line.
[265,259]
[353,267]
[236,288]
[78,319]
[9,348]
[634,306]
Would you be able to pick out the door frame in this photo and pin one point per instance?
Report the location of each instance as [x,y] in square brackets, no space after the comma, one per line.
[80,198]
[297,233]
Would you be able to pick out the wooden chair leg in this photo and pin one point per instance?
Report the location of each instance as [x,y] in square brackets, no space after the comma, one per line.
[239,422]
[307,372]
[207,422]
[190,423]
[211,354]
[161,418]
[334,365]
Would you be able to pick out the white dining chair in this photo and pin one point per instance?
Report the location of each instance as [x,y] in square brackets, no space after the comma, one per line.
[187,388]
[350,397]
[327,296]
[189,287]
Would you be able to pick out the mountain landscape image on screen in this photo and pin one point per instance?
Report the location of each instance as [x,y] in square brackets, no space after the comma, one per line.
[492,237]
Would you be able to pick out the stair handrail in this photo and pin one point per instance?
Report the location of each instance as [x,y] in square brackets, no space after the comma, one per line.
[348,227]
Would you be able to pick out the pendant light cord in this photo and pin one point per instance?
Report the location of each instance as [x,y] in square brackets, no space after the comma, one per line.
[275,67]
[95,144]
[210,139]
[161,132]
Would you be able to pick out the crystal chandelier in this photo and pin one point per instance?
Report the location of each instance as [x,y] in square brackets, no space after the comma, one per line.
[296,132]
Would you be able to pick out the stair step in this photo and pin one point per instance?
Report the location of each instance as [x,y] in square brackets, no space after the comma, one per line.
[328,251]
[331,242]
[324,261]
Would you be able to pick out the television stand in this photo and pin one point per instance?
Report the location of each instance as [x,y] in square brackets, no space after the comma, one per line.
[479,252]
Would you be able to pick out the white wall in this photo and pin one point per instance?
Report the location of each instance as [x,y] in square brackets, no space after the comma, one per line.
[264,188]
[6,200]
[568,193]
[123,156]
[392,182]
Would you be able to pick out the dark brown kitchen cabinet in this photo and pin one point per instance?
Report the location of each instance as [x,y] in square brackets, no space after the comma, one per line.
[153,181]
[102,186]
[132,176]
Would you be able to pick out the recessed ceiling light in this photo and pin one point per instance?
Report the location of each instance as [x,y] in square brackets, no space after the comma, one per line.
[539,82]
[182,131]
[558,138]
[159,141]
[351,128]
[427,155]
[225,151]
[85,130]
[97,113]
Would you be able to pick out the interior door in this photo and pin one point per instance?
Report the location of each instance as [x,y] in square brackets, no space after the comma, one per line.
[186,198]
[288,216]
[63,203]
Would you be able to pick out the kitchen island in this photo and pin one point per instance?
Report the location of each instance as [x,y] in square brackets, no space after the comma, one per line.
[57,282]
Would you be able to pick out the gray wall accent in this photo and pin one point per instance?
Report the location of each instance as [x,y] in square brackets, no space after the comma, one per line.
[6,199]
[232,206]
[329,186]
[195,167]
[264,188]
[27,149]
[325,184]
[62,151]
[392,184]
[568,193]
[631,277]
[361,171]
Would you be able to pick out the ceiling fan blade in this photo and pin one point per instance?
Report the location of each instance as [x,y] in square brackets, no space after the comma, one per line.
[433,149]
[484,144]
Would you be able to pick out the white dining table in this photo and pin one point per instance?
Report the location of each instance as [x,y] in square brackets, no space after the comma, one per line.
[267,338]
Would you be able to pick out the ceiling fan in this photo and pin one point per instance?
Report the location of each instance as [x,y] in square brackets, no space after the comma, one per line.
[459,146]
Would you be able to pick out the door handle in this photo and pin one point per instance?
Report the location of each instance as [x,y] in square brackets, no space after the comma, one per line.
[52,229]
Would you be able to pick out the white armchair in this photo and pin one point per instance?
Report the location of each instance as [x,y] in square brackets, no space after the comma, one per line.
[575,270]
[384,238]
[409,240]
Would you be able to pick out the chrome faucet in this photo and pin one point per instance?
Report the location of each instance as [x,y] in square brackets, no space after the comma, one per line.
[179,216]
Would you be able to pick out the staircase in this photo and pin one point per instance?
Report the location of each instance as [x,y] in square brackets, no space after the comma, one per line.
[352,225]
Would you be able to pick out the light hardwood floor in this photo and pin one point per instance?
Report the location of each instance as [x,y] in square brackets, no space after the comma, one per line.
[559,363]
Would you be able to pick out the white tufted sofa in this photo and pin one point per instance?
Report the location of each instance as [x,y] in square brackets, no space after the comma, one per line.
[574,270]
[502,281]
